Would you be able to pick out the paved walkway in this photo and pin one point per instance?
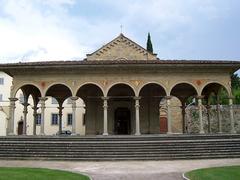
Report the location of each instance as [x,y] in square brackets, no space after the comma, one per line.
[127,170]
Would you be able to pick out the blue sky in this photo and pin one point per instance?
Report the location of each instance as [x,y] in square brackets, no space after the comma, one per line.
[34,30]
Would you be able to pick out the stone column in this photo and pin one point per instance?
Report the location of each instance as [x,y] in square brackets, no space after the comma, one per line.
[219,117]
[25,111]
[208,118]
[105,118]
[200,113]
[169,116]
[43,107]
[35,108]
[137,125]
[60,108]
[74,107]
[232,121]
[11,116]
[183,118]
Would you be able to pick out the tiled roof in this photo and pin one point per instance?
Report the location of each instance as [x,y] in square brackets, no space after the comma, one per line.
[116,62]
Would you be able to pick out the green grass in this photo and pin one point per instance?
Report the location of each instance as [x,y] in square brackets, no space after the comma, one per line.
[38,174]
[218,173]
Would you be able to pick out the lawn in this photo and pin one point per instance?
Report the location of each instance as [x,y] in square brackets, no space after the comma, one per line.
[38,174]
[219,173]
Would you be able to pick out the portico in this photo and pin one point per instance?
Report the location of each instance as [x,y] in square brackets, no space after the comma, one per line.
[122,86]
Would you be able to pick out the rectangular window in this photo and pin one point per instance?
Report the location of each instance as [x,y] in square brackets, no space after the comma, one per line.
[1,81]
[69,119]
[1,97]
[54,101]
[38,119]
[21,98]
[54,119]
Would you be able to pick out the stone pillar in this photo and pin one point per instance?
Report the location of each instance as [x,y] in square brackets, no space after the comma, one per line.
[35,108]
[137,125]
[105,118]
[60,108]
[42,102]
[169,116]
[200,113]
[208,118]
[183,107]
[25,111]
[232,121]
[74,107]
[11,116]
[219,117]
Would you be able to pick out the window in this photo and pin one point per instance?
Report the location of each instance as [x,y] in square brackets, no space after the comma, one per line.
[69,119]
[54,101]
[69,101]
[1,97]
[1,81]
[21,98]
[38,119]
[54,119]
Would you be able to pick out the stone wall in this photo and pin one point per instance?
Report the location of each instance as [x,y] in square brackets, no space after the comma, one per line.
[192,119]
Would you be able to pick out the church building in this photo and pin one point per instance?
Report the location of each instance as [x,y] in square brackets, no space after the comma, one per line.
[126,90]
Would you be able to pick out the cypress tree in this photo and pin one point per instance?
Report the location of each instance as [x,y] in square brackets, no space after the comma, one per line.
[149,44]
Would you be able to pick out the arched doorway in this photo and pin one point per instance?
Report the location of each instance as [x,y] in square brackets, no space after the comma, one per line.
[151,94]
[121,109]
[91,95]
[181,93]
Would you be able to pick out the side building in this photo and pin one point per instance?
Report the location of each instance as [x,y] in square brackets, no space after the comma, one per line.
[52,113]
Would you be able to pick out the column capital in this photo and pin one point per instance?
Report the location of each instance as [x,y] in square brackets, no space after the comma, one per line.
[13,99]
[60,108]
[137,97]
[42,98]
[74,98]
[199,97]
[25,104]
[168,97]
[105,98]
[231,97]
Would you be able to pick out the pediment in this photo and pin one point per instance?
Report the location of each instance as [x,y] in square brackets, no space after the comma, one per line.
[121,48]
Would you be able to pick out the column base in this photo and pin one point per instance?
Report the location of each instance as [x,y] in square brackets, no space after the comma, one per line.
[169,133]
[137,134]
[11,134]
[105,134]
[42,134]
[201,132]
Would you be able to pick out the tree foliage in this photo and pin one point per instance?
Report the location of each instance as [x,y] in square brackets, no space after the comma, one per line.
[149,44]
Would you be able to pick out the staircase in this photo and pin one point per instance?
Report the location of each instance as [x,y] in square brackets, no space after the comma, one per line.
[101,148]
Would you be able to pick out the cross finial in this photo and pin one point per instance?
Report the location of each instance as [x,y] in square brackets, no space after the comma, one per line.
[121,27]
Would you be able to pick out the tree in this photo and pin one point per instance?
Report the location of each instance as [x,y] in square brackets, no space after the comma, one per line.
[235,81]
[149,44]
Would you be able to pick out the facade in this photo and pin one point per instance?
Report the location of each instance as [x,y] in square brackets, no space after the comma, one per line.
[124,88]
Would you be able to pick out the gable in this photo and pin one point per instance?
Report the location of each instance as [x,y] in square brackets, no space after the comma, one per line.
[121,48]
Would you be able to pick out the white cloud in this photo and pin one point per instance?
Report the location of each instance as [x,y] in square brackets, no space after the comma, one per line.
[47,30]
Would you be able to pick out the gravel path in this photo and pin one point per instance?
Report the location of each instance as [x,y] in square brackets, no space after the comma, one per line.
[127,170]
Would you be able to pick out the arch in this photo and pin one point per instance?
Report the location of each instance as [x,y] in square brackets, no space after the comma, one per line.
[183,90]
[56,83]
[27,86]
[152,82]
[89,83]
[59,92]
[215,83]
[125,85]
[89,90]
[120,83]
